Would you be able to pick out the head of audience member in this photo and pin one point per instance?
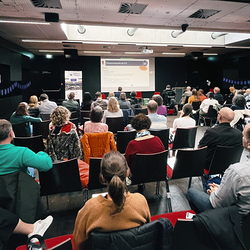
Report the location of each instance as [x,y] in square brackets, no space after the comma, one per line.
[200,92]
[152,107]
[87,97]
[43,97]
[6,132]
[96,114]
[246,137]
[240,101]
[210,95]
[225,115]
[119,89]
[188,88]
[239,92]
[141,122]
[123,96]
[98,95]
[33,103]
[60,116]
[113,105]
[232,90]
[22,109]
[247,91]
[168,87]
[158,99]
[111,94]
[216,90]
[114,170]
[194,92]
[187,110]
[133,94]
[71,96]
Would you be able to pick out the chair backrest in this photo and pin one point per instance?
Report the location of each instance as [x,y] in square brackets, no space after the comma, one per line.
[150,167]
[140,110]
[211,113]
[74,114]
[196,105]
[41,128]
[184,138]
[34,143]
[189,163]
[138,95]
[115,124]
[63,177]
[45,117]
[123,138]
[223,157]
[94,173]
[157,93]
[163,134]
[84,113]
[75,121]
[155,235]
[22,129]
[103,96]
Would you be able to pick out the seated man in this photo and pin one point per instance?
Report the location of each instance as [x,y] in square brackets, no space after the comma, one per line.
[168,94]
[99,101]
[117,94]
[13,158]
[70,104]
[124,104]
[46,106]
[234,187]
[157,121]
[217,95]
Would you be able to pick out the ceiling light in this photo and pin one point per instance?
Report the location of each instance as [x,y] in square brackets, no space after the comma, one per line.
[184,26]
[150,44]
[236,47]
[97,52]
[173,54]
[210,54]
[197,45]
[23,22]
[41,41]
[132,52]
[48,56]
[215,35]
[91,42]
[81,29]
[131,31]
[51,51]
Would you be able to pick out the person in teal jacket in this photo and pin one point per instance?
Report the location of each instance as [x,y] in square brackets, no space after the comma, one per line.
[14,158]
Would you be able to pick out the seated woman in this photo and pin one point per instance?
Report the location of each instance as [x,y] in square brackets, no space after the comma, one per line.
[33,106]
[133,100]
[162,110]
[95,125]
[239,103]
[113,109]
[87,100]
[144,143]
[194,97]
[207,102]
[118,210]
[111,94]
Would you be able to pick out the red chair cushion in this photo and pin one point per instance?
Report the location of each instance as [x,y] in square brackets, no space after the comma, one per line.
[173,217]
[206,171]
[169,171]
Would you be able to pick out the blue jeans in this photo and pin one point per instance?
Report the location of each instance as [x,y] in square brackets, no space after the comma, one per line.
[198,200]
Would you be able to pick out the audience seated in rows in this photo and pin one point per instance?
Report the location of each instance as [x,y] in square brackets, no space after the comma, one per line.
[217,95]
[162,110]
[117,94]
[87,101]
[157,121]
[194,97]
[99,101]
[33,106]
[238,103]
[71,104]
[201,95]
[124,104]
[113,109]
[133,100]
[46,106]
[234,187]
[111,94]
[118,210]
[207,102]
[143,142]
[168,94]
[186,94]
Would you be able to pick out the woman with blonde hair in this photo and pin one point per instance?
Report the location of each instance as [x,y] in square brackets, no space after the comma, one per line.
[113,109]
[111,94]
[33,102]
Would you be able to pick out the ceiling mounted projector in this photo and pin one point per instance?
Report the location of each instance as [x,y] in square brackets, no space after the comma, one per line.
[147,51]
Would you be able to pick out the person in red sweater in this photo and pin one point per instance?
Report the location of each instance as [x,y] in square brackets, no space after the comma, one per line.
[144,143]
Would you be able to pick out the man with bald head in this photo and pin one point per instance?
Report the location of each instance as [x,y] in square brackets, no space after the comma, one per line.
[222,134]
[233,190]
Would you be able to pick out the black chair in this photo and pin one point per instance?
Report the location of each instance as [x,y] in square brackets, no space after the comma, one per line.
[196,105]
[45,117]
[41,128]
[74,114]
[22,129]
[123,139]
[162,134]
[115,124]
[211,116]
[223,157]
[188,163]
[34,112]
[63,177]
[34,143]
[84,113]
[140,110]
[150,168]
[75,121]
[184,138]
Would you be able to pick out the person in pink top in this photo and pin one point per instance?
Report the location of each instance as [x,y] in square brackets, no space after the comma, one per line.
[95,125]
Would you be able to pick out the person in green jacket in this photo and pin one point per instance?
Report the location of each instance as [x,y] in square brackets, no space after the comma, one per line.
[14,158]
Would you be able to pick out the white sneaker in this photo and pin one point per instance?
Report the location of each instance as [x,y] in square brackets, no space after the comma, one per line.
[40,227]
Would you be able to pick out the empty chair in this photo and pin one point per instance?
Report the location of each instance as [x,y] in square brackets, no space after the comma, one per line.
[223,157]
[84,113]
[115,124]
[45,117]
[184,138]
[34,143]
[140,110]
[22,129]
[211,116]
[123,138]
[188,163]
[163,134]
[41,128]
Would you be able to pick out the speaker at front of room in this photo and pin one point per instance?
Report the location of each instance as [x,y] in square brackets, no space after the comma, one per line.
[51,17]
[70,53]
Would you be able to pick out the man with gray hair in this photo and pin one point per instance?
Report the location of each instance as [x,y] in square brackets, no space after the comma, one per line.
[157,121]
[14,158]
[124,104]
[46,106]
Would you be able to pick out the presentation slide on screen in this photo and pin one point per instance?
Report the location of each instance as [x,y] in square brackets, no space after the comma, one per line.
[128,73]
[73,83]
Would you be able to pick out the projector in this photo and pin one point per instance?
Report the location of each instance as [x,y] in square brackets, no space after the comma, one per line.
[147,51]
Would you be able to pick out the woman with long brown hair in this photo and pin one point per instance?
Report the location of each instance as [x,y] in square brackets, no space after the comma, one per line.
[194,97]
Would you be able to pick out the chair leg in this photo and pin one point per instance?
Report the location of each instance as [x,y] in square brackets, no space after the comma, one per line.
[47,202]
[85,195]
[190,182]
[168,197]
[157,188]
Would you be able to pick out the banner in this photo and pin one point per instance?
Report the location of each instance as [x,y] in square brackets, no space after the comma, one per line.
[73,83]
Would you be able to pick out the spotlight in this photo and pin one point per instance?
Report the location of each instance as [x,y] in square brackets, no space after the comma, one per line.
[174,34]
